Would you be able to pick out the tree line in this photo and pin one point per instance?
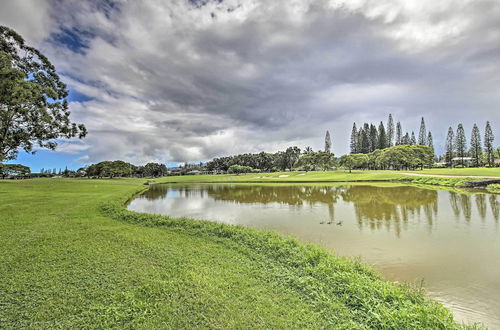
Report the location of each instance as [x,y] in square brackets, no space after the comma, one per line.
[120,168]
[481,154]
[369,137]
[399,157]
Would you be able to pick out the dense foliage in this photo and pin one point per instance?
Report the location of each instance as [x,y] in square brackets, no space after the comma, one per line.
[13,170]
[119,168]
[398,157]
[314,161]
[33,106]
[239,169]
[263,161]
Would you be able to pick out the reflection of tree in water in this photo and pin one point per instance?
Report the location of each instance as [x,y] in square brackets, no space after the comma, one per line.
[481,205]
[466,206]
[455,204]
[375,207]
[290,195]
[388,207]
[160,191]
[461,204]
[495,206]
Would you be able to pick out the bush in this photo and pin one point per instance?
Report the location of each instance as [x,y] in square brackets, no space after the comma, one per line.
[495,188]
[237,169]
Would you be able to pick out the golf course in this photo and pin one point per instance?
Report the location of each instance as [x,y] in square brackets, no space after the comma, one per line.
[73,256]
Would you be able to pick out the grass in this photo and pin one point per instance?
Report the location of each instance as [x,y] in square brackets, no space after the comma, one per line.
[480,171]
[295,176]
[494,188]
[72,257]
[342,176]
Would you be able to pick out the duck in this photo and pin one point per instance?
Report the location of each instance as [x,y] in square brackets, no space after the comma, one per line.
[339,223]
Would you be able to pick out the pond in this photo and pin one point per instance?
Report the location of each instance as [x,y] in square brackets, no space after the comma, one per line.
[448,241]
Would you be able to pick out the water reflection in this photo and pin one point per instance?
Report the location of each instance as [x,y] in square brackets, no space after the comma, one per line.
[374,207]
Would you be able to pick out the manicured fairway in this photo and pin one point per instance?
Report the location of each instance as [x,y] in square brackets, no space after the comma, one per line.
[72,257]
[334,176]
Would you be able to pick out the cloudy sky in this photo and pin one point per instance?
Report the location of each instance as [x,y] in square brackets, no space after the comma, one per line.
[174,81]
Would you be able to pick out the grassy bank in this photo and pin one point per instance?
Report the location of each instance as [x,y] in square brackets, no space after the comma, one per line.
[73,257]
[481,171]
[494,188]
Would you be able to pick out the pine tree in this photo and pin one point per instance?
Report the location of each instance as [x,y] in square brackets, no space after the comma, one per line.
[430,141]
[488,144]
[373,137]
[354,139]
[390,131]
[359,145]
[406,139]
[365,143]
[476,150]
[422,134]
[460,143]
[382,137]
[399,133]
[413,141]
[449,146]
[328,142]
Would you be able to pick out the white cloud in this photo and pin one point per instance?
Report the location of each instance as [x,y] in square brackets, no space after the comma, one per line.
[171,81]
[31,18]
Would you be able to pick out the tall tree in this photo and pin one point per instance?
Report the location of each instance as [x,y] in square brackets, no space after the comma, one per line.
[382,137]
[406,139]
[399,134]
[390,131]
[354,139]
[328,142]
[430,141]
[450,138]
[373,137]
[422,134]
[413,141]
[476,149]
[488,144]
[364,145]
[460,143]
[33,105]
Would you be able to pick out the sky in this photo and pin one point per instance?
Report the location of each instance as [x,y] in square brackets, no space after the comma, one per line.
[189,80]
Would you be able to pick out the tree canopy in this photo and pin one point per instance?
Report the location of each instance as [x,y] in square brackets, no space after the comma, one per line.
[33,105]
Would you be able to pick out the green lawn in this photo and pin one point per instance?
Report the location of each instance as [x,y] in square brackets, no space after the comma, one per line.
[72,257]
[296,176]
[481,171]
[331,176]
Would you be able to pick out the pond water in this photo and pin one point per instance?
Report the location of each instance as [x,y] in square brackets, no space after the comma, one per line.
[448,240]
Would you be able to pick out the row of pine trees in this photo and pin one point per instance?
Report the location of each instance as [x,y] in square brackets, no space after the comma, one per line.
[456,145]
[369,137]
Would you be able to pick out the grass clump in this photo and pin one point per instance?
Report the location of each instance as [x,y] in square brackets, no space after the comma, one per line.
[73,257]
[494,188]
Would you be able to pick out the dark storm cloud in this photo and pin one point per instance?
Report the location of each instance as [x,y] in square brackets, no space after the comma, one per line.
[190,80]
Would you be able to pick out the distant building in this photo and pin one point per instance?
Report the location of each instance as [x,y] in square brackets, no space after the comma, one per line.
[467,161]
